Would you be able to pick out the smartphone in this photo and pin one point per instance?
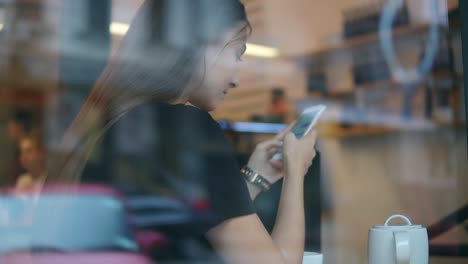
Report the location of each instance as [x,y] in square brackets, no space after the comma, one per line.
[306,121]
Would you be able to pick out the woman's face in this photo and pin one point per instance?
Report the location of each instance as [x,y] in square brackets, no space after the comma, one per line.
[218,73]
[31,156]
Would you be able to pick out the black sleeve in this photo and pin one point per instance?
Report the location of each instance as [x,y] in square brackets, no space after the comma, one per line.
[225,187]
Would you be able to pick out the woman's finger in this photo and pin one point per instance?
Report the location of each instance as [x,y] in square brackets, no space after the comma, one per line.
[270,144]
[277,164]
[310,138]
[271,152]
[274,148]
[290,137]
[280,136]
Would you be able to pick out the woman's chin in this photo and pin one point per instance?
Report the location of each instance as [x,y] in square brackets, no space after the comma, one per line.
[211,108]
[208,106]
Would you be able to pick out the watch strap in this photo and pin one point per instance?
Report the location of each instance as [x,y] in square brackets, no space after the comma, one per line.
[255,178]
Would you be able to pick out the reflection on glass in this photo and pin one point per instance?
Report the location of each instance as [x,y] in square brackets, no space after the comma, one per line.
[79,85]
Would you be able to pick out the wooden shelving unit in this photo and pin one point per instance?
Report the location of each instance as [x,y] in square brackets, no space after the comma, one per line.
[332,130]
[22,97]
[409,34]
[340,93]
[412,30]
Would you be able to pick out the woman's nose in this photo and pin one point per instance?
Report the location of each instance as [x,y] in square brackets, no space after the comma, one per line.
[234,82]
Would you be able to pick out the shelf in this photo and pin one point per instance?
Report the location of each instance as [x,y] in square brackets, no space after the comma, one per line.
[408,30]
[447,75]
[445,123]
[341,94]
[439,75]
[333,130]
[22,97]
[348,92]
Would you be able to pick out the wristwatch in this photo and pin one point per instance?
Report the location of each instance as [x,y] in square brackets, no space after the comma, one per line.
[255,178]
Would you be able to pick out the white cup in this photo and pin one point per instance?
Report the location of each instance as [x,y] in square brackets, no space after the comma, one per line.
[312,258]
[398,244]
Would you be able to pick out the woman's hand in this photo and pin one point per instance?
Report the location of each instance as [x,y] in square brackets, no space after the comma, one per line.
[260,160]
[298,154]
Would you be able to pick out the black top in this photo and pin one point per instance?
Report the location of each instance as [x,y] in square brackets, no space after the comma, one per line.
[186,157]
[193,148]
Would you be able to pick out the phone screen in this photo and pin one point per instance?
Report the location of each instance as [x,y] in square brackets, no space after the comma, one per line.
[304,124]
[307,120]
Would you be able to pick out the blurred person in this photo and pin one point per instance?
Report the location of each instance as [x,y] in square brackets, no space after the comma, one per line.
[181,57]
[19,124]
[33,159]
[279,107]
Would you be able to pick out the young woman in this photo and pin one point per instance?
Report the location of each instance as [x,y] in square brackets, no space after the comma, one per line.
[181,58]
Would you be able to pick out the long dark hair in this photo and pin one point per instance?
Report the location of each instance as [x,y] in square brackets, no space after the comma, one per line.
[157,60]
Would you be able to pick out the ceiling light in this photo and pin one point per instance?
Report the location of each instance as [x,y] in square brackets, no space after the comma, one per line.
[119,29]
[261,51]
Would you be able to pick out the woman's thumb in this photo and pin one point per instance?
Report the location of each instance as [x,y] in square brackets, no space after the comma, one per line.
[290,137]
[311,137]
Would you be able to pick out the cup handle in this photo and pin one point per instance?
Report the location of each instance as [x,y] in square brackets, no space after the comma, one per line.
[402,247]
[408,222]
